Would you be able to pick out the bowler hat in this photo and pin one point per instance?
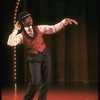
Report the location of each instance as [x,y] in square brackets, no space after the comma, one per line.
[23,15]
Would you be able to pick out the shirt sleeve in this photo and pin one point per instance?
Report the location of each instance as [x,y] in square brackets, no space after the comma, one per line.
[50,29]
[14,38]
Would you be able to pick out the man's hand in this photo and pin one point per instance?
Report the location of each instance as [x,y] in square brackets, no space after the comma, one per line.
[17,26]
[70,21]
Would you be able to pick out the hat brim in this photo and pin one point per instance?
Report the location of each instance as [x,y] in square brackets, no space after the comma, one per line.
[25,16]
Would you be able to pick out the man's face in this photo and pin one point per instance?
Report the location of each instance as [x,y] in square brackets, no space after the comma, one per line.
[27,21]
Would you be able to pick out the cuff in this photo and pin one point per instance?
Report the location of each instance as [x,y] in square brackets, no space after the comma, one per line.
[15,31]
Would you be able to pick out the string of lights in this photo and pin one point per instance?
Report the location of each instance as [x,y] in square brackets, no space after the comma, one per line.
[14,49]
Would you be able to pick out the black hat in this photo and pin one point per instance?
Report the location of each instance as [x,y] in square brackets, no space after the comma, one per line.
[23,15]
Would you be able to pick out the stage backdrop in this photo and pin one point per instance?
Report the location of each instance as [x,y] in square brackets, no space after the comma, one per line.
[73,51]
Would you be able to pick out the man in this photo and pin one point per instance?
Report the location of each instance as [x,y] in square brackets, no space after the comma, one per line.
[32,37]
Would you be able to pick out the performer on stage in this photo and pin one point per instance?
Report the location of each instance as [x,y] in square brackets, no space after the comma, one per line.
[32,37]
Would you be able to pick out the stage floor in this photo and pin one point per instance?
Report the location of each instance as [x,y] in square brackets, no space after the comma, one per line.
[57,93]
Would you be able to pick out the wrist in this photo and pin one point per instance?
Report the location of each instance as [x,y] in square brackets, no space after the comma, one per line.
[15,31]
[64,22]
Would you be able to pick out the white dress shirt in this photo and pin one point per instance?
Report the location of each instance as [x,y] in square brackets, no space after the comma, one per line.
[15,39]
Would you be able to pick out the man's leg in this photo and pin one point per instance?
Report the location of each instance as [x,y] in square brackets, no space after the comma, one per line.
[34,83]
[44,79]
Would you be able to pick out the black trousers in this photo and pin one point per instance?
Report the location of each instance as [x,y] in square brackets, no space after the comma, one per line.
[39,76]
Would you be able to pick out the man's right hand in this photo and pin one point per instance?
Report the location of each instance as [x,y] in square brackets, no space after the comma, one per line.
[17,26]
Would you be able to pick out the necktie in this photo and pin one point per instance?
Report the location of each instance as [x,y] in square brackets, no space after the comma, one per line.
[30,31]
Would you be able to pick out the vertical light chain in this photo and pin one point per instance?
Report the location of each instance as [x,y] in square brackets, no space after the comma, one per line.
[14,49]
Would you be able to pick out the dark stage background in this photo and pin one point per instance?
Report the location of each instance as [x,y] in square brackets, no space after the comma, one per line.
[73,51]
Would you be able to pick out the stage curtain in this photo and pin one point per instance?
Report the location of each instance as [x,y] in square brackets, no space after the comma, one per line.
[74,50]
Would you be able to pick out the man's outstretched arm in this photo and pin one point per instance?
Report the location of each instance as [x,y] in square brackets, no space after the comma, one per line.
[50,29]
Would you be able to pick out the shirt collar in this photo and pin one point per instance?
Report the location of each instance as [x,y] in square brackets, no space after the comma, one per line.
[26,28]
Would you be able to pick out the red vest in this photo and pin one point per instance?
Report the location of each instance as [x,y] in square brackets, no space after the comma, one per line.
[36,45]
